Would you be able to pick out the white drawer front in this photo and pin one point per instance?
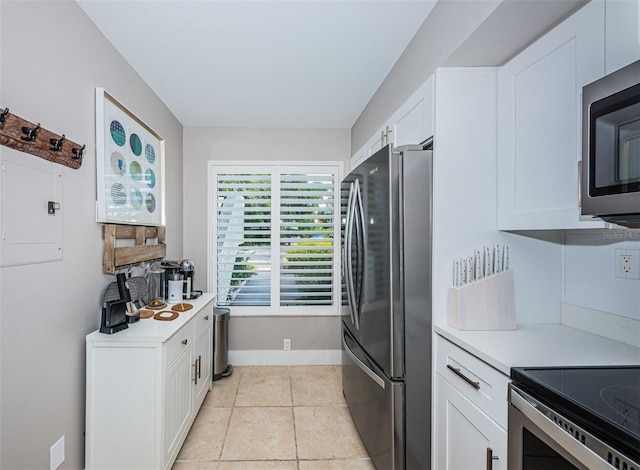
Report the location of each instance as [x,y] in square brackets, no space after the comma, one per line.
[203,318]
[178,343]
[479,382]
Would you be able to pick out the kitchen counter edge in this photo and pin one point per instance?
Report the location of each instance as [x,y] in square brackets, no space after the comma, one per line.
[148,329]
[544,345]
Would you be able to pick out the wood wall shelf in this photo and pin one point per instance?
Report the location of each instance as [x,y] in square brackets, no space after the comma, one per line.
[14,133]
[120,256]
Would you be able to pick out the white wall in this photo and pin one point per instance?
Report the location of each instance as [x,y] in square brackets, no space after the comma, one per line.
[237,144]
[53,58]
[465,194]
[589,271]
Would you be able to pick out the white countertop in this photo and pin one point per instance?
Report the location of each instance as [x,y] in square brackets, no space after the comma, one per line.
[148,329]
[541,345]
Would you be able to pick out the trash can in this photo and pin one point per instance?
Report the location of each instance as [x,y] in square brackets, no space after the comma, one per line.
[221,366]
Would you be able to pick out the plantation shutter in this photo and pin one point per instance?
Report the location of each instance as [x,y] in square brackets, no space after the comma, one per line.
[276,234]
[306,239]
[243,239]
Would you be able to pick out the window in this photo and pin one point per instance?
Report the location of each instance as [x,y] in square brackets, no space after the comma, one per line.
[275,237]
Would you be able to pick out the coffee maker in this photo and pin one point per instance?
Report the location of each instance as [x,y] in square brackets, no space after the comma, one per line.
[180,271]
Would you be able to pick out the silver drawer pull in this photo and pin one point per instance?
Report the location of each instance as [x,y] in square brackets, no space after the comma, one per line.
[184,341]
[207,317]
[475,385]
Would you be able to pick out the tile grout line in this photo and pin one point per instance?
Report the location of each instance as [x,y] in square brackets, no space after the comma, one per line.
[293,419]
[226,432]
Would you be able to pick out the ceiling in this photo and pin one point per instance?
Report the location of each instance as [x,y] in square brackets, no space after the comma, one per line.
[299,63]
[290,64]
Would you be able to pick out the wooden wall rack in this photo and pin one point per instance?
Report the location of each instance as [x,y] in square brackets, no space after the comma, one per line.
[24,136]
[120,256]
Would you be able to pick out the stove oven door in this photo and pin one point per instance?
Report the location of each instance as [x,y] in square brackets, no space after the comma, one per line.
[536,442]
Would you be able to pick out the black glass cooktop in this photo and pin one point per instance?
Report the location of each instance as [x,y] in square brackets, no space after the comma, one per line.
[603,400]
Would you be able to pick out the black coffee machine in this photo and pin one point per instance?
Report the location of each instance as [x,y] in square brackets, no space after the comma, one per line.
[176,269]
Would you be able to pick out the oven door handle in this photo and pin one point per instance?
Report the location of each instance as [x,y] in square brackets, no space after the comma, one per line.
[570,444]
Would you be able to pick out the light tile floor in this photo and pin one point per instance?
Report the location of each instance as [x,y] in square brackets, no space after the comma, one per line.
[272,418]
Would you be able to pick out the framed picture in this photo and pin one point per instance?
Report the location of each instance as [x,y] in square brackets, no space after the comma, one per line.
[130,166]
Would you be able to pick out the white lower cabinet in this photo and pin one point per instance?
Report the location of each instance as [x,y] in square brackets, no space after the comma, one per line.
[145,386]
[178,402]
[466,438]
[470,411]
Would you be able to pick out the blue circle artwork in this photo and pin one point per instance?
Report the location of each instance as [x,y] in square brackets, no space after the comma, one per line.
[150,177]
[118,165]
[136,144]
[150,153]
[136,199]
[118,195]
[136,171]
[150,202]
[117,133]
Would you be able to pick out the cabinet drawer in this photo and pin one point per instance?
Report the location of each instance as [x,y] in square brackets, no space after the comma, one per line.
[178,343]
[479,382]
[203,318]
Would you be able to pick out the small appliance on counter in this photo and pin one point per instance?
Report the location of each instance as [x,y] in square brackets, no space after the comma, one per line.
[175,287]
[114,317]
[157,291]
[126,294]
[180,271]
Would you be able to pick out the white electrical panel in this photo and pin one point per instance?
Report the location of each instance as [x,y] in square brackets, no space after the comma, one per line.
[31,212]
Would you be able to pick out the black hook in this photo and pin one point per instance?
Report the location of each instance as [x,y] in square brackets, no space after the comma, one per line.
[31,133]
[57,144]
[3,115]
[77,153]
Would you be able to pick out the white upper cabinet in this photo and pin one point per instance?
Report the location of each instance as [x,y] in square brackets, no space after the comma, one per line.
[412,123]
[539,124]
[622,33]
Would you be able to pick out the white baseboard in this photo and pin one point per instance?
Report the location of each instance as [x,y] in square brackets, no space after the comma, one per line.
[269,357]
[608,325]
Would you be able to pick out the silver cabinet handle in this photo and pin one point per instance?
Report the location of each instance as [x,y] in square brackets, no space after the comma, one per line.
[490,458]
[475,385]
[184,341]
[207,317]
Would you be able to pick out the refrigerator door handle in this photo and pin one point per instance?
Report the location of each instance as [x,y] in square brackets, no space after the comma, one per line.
[348,264]
[372,375]
[361,257]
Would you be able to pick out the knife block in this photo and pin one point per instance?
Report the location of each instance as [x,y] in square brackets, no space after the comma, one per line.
[487,304]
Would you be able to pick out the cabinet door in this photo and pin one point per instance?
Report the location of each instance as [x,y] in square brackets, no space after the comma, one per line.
[539,124]
[464,433]
[179,380]
[202,358]
[413,122]
[622,31]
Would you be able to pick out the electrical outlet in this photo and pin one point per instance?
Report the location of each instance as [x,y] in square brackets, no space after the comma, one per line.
[628,264]
[287,344]
[56,454]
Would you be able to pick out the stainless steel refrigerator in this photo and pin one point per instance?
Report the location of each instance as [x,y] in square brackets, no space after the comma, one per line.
[386,321]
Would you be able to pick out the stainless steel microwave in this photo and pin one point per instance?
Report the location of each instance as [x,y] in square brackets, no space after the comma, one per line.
[611,147]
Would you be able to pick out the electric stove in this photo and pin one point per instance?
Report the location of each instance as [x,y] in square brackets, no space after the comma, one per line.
[603,400]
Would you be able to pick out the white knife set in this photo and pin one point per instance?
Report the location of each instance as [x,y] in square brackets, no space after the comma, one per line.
[482,264]
[482,295]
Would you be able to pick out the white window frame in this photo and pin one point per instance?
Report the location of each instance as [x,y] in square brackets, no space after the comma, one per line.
[215,167]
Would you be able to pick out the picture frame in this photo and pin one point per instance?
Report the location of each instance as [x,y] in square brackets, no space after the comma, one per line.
[129,166]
